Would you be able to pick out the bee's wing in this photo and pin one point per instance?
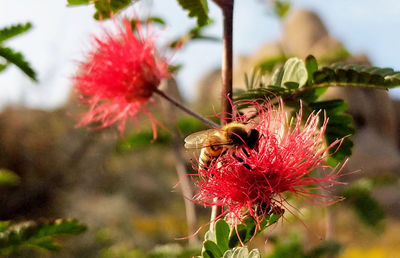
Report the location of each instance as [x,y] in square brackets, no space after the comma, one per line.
[196,140]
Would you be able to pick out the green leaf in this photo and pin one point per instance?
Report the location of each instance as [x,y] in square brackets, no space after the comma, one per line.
[294,71]
[3,66]
[327,248]
[105,8]
[4,225]
[37,233]
[14,30]
[210,235]
[242,252]
[357,76]
[7,177]
[234,238]
[18,59]
[277,76]
[198,9]
[284,79]
[292,247]
[255,253]
[46,243]
[142,139]
[281,7]
[60,226]
[267,65]
[312,67]
[340,125]
[212,249]
[157,20]
[274,218]
[195,33]
[222,230]
[78,2]
[366,207]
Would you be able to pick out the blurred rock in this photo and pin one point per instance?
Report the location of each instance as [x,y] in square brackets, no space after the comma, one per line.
[301,31]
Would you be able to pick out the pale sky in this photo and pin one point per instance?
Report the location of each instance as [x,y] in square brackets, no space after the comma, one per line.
[61,37]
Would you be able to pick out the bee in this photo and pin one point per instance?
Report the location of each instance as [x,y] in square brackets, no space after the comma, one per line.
[215,142]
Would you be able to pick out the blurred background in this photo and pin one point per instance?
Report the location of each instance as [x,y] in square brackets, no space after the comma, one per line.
[123,188]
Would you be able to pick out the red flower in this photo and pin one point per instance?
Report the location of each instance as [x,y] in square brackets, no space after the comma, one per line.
[281,165]
[119,77]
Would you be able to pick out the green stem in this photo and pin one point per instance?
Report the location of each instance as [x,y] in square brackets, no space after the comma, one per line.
[186,109]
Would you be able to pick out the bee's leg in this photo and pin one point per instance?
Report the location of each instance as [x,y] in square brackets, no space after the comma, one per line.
[245,152]
[223,153]
[241,161]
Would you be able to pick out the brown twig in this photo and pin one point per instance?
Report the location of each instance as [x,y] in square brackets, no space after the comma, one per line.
[186,109]
[226,72]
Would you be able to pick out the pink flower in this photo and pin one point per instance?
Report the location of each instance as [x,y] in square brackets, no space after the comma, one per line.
[119,77]
[257,180]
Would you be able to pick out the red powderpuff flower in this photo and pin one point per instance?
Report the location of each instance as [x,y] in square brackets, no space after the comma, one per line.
[257,180]
[119,77]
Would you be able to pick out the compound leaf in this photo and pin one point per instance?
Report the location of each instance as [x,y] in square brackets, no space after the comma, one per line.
[14,30]
[37,233]
[198,9]
[18,59]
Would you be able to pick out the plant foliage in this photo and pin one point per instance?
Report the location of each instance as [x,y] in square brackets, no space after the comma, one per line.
[18,59]
[224,241]
[104,8]
[367,208]
[37,234]
[198,9]
[11,56]
[8,177]
[14,30]
[194,33]
[293,247]
[298,80]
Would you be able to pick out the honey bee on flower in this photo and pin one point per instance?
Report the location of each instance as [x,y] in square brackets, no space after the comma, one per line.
[255,179]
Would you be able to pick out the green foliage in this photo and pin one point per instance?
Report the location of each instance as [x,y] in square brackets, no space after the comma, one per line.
[340,126]
[357,76]
[292,75]
[14,30]
[143,139]
[8,177]
[364,204]
[198,9]
[224,240]
[156,20]
[293,247]
[4,225]
[11,56]
[242,252]
[281,7]
[195,33]
[161,251]
[267,65]
[18,59]
[37,234]
[104,8]
[186,126]
[298,80]
[78,2]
